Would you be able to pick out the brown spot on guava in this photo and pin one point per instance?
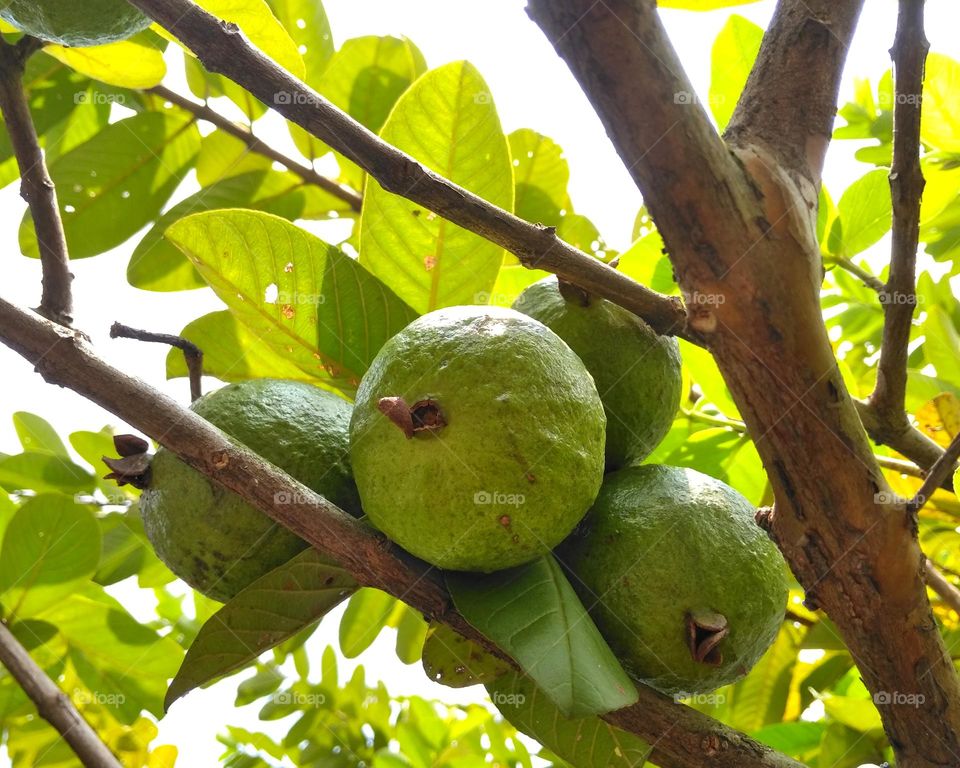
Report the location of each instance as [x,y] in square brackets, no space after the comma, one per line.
[705,630]
[505,521]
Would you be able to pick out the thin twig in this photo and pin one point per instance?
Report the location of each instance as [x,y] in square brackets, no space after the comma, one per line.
[62,357]
[54,705]
[944,588]
[192,354]
[909,54]
[36,186]
[223,50]
[255,144]
[937,475]
[868,278]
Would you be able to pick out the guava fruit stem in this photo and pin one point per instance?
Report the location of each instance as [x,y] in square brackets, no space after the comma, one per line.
[422,416]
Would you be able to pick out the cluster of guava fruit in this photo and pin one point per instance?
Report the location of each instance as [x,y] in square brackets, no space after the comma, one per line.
[482,438]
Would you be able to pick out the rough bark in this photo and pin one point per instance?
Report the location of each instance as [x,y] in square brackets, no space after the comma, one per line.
[739,224]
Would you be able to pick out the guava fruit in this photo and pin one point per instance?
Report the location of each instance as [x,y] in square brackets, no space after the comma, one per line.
[210,537]
[477,439]
[637,371]
[75,22]
[683,584]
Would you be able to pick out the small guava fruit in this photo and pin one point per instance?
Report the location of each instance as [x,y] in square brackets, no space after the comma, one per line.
[75,22]
[637,371]
[210,537]
[477,439]
[683,584]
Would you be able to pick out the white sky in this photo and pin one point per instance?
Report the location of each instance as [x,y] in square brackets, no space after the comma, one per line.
[532,88]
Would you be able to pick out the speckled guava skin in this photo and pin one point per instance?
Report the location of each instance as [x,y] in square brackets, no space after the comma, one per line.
[75,22]
[637,371]
[209,536]
[520,459]
[661,542]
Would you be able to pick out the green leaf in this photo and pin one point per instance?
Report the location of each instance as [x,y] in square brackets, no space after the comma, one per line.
[940,122]
[367,613]
[114,654]
[307,24]
[794,739]
[50,544]
[232,353]
[586,742]
[127,63]
[447,121]
[122,176]
[761,697]
[364,79]
[453,660]
[275,607]
[37,435]
[865,211]
[157,264]
[411,633]
[541,174]
[731,60]
[511,280]
[533,614]
[942,345]
[704,371]
[222,156]
[328,315]
[43,472]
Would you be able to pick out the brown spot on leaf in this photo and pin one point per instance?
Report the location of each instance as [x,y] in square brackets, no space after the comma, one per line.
[287,311]
[429,262]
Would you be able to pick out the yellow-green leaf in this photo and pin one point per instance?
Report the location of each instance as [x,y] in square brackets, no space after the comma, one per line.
[127,63]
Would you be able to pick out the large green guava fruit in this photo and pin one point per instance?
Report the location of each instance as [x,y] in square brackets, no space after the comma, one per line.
[209,536]
[477,439]
[682,583]
[75,22]
[637,371]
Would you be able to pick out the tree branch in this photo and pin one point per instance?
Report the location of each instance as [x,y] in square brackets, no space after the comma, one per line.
[906,188]
[53,705]
[223,50]
[741,226]
[192,354]
[681,734]
[790,100]
[945,590]
[255,144]
[938,473]
[36,187]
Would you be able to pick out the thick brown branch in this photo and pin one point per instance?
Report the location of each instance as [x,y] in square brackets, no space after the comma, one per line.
[53,705]
[906,188]
[790,100]
[746,239]
[36,187]
[255,144]
[222,49]
[192,354]
[62,357]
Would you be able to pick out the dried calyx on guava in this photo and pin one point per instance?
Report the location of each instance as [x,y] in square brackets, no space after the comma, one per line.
[637,371]
[75,23]
[477,439]
[209,536]
[683,584]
